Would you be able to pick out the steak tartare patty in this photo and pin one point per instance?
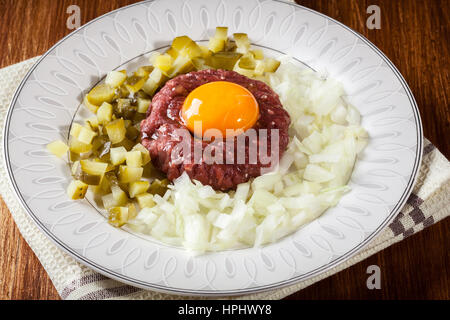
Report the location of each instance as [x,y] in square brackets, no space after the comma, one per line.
[160,132]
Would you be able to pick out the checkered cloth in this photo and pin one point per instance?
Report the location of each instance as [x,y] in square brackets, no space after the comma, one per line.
[428,204]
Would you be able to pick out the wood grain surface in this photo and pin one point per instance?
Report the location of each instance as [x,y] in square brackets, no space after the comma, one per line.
[414,34]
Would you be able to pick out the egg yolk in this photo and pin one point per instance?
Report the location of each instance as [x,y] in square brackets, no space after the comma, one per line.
[220,105]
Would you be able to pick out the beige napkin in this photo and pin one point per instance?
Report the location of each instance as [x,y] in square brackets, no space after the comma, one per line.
[428,204]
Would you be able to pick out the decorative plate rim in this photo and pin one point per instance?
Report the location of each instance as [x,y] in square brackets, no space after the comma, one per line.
[172,290]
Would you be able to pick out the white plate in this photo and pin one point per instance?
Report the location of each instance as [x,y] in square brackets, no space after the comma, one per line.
[49,96]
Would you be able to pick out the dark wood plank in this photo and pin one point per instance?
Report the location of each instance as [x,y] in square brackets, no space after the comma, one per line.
[414,35]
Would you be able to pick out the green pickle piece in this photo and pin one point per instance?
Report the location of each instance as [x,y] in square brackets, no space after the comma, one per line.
[159,187]
[223,60]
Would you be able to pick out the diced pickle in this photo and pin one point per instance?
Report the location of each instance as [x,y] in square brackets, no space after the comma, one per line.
[58,148]
[258,54]
[218,42]
[79,174]
[93,167]
[79,147]
[77,189]
[118,155]
[182,64]
[259,68]
[134,159]
[123,108]
[92,122]
[129,174]
[221,33]
[100,94]
[242,42]
[154,81]
[245,72]
[144,153]
[126,143]
[86,135]
[90,106]
[205,51]
[271,65]
[200,64]
[118,216]
[141,95]
[119,195]
[216,45]
[104,113]
[185,46]
[145,200]
[159,187]
[164,63]
[223,60]
[138,187]
[135,83]
[115,78]
[116,130]
[75,129]
[144,71]
[108,201]
[132,212]
[230,46]
[122,92]
[247,62]
[138,117]
[142,105]
[132,133]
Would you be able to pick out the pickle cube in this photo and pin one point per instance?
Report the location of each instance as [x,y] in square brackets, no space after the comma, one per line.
[118,216]
[104,113]
[135,83]
[271,65]
[221,33]
[119,195]
[155,79]
[145,200]
[90,106]
[78,147]
[144,153]
[93,167]
[159,187]
[75,129]
[129,174]
[115,78]
[185,46]
[77,189]
[118,155]
[216,45]
[223,60]
[182,64]
[257,54]
[138,187]
[79,174]
[100,94]
[86,135]
[247,62]
[58,148]
[143,104]
[116,130]
[134,159]
[242,42]
[144,71]
[92,122]
[164,63]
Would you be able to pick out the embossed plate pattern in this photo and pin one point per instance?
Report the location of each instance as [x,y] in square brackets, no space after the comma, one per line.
[48,98]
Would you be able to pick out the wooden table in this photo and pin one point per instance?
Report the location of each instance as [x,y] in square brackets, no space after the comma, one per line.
[413,34]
